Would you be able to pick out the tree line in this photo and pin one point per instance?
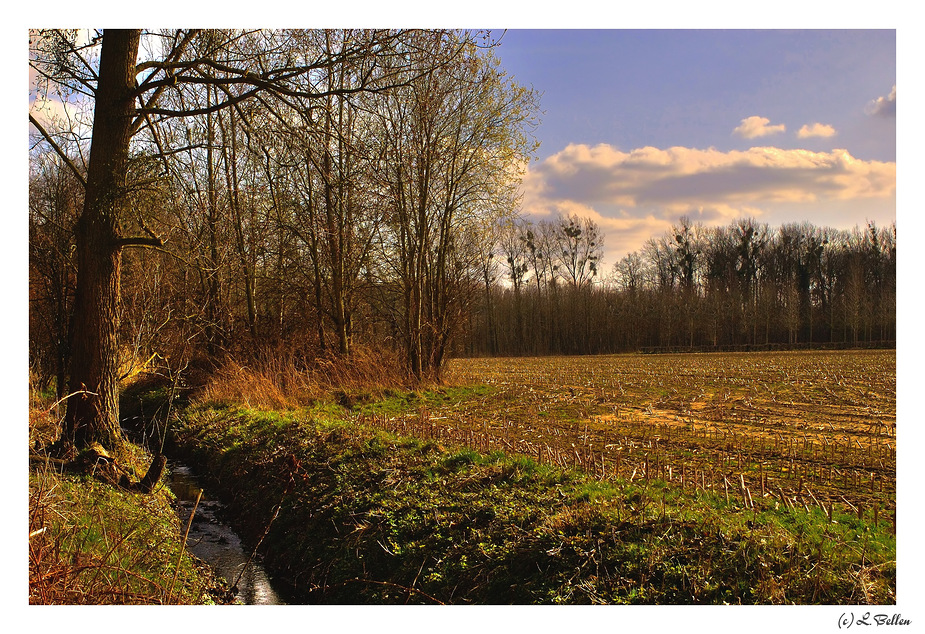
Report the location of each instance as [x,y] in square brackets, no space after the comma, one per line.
[745,284]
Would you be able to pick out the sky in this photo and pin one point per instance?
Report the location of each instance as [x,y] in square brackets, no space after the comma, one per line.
[642,127]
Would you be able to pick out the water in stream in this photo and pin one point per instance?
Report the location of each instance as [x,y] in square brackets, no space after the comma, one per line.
[215,543]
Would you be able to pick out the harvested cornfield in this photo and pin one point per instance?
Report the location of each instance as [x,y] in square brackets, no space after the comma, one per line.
[808,428]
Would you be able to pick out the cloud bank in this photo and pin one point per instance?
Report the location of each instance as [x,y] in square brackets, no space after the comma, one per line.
[642,192]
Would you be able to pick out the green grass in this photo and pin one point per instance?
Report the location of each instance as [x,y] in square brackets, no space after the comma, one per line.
[392,402]
[369,517]
[94,543]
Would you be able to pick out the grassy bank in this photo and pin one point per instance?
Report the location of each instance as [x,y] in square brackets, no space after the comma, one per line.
[91,542]
[350,514]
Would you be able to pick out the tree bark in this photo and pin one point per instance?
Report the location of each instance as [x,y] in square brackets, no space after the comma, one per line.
[93,414]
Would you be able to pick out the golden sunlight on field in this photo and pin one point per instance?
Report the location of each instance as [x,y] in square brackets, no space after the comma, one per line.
[803,428]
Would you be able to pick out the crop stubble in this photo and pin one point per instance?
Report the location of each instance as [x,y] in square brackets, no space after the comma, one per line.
[790,428]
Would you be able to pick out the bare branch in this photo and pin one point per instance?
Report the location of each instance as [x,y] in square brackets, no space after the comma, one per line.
[38,126]
[159,89]
[139,241]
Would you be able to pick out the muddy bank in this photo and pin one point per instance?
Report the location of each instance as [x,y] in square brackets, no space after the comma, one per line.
[349,515]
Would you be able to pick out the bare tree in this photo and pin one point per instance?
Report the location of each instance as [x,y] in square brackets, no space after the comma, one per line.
[450,141]
[578,246]
[55,197]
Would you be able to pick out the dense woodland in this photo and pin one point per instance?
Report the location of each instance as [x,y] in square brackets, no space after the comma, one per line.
[316,193]
[253,192]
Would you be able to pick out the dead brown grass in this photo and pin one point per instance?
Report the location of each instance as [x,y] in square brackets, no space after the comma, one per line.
[91,542]
[281,381]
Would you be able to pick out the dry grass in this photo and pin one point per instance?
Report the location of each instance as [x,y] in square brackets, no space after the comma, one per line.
[94,543]
[281,381]
[262,388]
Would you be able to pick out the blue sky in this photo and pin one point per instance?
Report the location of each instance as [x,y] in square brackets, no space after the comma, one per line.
[633,88]
[641,127]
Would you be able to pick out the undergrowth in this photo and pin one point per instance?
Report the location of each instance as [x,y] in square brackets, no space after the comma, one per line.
[279,380]
[94,543]
[355,515]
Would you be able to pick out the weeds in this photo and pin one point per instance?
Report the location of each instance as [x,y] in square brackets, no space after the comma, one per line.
[282,381]
[91,543]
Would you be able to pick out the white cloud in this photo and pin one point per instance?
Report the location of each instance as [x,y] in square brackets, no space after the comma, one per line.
[754,127]
[816,130]
[644,190]
[642,176]
[883,106]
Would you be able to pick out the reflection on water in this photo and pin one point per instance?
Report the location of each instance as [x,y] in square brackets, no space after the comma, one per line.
[218,545]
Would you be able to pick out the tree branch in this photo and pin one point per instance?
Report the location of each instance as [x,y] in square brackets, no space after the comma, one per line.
[59,151]
[153,240]
[170,81]
[139,241]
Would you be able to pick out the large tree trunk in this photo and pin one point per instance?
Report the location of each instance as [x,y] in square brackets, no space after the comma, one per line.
[93,413]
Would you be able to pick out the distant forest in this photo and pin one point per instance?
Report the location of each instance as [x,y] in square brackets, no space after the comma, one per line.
[742,286]
[538,289]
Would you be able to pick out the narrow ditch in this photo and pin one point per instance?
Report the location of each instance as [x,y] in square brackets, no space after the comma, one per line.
[213,541]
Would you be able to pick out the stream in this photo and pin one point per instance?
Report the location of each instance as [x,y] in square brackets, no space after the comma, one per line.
[216,543]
